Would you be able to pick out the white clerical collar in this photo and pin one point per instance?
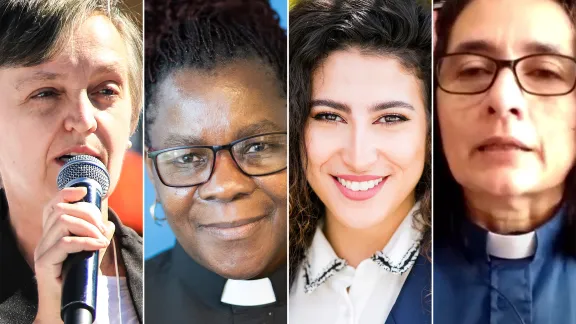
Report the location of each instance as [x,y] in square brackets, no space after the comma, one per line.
[248,292]
[511,246]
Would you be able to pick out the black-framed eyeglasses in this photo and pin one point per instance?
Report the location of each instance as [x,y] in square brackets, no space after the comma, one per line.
[187,166]
[537,74]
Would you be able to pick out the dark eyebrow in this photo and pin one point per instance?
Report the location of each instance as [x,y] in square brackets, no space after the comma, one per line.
[483,46]
[476,46]
[377,107]
[260,127]
[391,104]
[37,76]
[330,103]
[173,140]
[541,48]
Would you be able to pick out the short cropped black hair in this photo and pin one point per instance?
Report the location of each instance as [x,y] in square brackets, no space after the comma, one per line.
[205,33]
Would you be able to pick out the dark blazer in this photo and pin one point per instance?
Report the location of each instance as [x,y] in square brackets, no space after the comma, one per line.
[413,305]
[18,290]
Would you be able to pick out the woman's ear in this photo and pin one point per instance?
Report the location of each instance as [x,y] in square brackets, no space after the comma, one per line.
[149,165]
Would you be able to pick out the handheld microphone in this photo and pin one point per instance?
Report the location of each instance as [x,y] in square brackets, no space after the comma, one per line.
[80,270]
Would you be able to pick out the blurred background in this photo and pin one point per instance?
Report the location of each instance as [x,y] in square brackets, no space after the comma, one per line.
[158,238]
[127,199]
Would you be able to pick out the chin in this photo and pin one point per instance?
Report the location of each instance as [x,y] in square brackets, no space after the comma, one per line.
[239,271]
[510,184]
[360,218]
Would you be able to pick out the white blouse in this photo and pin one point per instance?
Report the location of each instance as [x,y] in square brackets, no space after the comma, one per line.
[327,290]
[107,302]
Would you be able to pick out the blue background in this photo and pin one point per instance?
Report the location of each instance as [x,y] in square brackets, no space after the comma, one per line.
[159,238]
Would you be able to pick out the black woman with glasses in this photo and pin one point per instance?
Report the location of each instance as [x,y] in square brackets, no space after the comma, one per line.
[217,149]
[504,164]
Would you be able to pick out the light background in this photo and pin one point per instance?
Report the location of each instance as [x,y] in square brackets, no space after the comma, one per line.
[159,238]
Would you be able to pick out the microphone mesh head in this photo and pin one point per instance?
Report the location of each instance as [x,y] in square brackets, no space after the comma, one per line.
[84,166]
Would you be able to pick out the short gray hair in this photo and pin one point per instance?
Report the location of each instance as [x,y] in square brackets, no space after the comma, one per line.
[34,31]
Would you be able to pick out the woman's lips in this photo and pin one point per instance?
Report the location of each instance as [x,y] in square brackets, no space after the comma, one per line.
[361,188]
[235,230]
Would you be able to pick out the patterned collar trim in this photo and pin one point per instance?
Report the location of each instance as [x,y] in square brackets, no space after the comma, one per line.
[311,284]
[404,265]
[397,257]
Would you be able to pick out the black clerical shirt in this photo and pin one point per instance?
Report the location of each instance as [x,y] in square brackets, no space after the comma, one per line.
[179,290]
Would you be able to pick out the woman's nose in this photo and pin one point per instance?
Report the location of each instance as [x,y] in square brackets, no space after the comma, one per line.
[81,116]
[359,151]
[506,97]
[227,182]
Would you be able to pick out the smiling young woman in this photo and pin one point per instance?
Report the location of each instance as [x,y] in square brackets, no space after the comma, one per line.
[360,162]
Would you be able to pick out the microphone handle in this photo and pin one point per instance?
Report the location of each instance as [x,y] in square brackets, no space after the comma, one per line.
[80,276]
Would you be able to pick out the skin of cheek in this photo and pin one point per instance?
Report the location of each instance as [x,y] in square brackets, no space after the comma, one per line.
[400,153]
[238,260]
[221,104]
[23,157]
[462,123]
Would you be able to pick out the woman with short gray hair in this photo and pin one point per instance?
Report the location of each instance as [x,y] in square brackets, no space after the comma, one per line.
[70,83]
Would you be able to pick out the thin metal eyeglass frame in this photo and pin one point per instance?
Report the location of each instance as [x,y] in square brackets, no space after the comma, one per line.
[500,64]
[215,149]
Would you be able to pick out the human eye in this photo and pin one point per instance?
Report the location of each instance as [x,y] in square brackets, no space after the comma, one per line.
[44,94]
[328,117]
[392,119]
[108,92]
[183,158]
[473,70]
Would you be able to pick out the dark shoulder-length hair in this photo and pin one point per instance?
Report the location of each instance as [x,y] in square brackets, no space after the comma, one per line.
[398,29]
[449,205]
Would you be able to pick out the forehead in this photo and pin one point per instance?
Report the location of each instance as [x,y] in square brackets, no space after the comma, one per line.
[512,27]
[96,47]
[361,80]
[217,105]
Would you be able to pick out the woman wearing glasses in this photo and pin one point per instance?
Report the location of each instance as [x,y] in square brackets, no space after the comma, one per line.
[359,158]
[216,141]
[505,200]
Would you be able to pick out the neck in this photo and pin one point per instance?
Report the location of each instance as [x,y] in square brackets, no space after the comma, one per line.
[513,214]
[26,220]
[357,244]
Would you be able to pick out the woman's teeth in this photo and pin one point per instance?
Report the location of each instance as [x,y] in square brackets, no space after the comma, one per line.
[359,186]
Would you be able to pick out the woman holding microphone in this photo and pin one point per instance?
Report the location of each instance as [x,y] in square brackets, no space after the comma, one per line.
[70,80]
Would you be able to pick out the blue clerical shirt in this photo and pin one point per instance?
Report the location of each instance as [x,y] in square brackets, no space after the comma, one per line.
[470,286]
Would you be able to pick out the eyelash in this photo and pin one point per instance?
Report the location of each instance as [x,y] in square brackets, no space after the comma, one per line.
[329,117]
[114,93]
[399,119]
[46,94]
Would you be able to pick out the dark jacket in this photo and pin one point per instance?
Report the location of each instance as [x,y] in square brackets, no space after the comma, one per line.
[18,291]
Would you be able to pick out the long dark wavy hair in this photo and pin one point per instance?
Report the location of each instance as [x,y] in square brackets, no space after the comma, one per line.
[399,29]
[449,205]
